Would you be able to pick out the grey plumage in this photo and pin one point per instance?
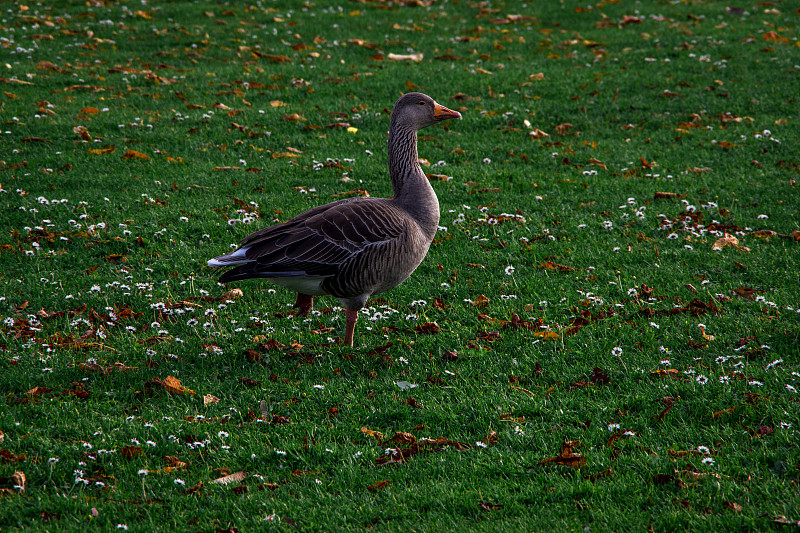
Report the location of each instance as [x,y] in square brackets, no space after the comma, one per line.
[357,247]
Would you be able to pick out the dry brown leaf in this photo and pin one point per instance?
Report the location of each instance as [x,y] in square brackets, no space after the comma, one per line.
[567,457]
[480,301]
[133,154]
[562,129]
[491,438]
[727,240]
[231,478]
[38,391]
[428,327]
[83,133]
[209,399]
[703,332]
[103,151]
[174,462]
[405,57]
[658,195]
[599,163]
[401,437]
[377,435]
[379,485]
[729,410]
[733,506]
[231,295]
[555,266]
[771,36]
[18,479]
[173,385]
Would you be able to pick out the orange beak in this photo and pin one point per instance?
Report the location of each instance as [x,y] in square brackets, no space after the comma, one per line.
[440,113]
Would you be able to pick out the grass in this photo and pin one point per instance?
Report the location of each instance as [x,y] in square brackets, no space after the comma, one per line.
[189,132]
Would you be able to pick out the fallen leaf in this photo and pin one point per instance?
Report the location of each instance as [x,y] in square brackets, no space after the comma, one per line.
[379,485]
[83,133]
[401,437]
[598,163]
[129,452]
[38,391]
[480,301]
[727,240]
[18,480]
[428,327]
[405,57]
[567,457]
[231,478]
[231,295]
[733,506]
[133,154]
[490,506]
[705,336]
[555,266]
[173,385]
[174,462]
[377,435]
[209,399]
[491,438]
[102,151]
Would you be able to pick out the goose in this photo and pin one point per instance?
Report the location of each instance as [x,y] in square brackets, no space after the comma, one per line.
[354,248]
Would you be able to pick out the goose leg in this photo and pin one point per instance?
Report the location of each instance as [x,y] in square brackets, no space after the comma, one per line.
[352,316]
[303,304]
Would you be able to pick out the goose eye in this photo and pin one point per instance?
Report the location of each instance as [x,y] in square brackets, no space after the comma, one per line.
[422,102]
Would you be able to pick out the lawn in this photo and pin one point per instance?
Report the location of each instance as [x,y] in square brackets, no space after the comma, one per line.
[604,335]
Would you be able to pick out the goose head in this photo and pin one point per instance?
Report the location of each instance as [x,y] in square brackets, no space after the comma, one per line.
[417,111]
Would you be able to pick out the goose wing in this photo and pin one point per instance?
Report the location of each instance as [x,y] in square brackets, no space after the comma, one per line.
[317,243]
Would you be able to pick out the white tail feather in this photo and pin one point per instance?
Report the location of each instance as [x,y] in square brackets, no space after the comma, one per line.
[237,257]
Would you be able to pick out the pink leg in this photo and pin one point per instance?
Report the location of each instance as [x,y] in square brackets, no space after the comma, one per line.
[304,304]
[352,316]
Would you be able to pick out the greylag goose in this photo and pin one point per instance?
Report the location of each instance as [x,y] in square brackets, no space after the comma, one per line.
[357,247]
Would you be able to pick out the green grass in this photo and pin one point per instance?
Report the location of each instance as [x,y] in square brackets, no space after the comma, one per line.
[102,261]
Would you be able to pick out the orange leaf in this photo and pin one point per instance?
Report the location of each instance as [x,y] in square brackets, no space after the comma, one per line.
[38,391]
[90,111]
[555,266]
[480,301]
[598,163]
[133,154]
[775,37]
[103,151]
[173,385]
[377,435]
